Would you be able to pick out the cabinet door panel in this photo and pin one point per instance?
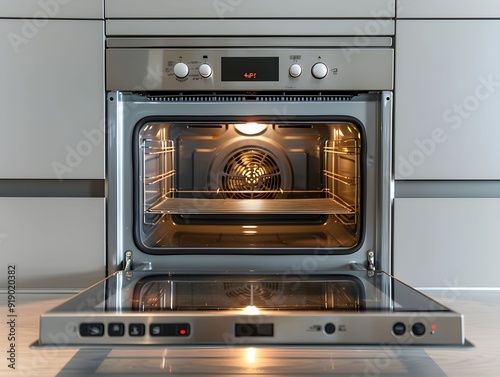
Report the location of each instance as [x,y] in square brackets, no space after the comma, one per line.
[447,243]
[447,109]
[52,100]
[448,9]
[54,243]
[43,9]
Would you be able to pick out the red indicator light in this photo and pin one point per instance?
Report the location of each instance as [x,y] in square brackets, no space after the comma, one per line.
[433,327]
[182,331]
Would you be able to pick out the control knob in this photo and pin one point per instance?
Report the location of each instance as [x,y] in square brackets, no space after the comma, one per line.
[418,329]
[181,70]
[205,70]
[319,70]
[295,70]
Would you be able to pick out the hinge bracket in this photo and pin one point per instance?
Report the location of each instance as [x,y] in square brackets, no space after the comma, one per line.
[371,260]
[127,262]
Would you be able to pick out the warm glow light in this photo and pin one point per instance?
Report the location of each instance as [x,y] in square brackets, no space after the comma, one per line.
[251,355]
[250,128]
[251,309]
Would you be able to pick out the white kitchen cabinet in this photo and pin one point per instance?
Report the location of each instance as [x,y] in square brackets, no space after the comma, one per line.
[448,8]
[52,99]
[43,9]
[447,243]
[54,243]
[447,99]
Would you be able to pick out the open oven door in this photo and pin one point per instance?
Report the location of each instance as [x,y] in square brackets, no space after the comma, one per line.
[246,309]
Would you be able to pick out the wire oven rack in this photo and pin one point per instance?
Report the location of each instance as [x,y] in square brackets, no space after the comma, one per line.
[339,196]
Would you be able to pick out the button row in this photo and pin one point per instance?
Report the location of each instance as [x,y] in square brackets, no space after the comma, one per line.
[181,70]
[318,70]
[399,329]
[135,329]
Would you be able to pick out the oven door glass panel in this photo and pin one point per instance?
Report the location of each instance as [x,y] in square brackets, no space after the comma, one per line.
[248,185]
[163,293]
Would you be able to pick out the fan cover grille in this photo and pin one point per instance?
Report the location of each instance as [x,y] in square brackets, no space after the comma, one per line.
[258,292]
[251,174]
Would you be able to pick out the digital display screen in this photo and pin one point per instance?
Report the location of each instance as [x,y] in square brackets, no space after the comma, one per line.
[250,69]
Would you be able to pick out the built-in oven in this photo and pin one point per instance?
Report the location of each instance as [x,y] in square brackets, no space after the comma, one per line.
[247,174]
[249,199]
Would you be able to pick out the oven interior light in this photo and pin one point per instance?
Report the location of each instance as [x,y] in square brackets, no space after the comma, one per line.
[250,128]
[249,229]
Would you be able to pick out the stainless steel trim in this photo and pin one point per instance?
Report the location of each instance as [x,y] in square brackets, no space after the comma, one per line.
[260,42]
[362,28]
[222,9]
[364,107]
[386,186]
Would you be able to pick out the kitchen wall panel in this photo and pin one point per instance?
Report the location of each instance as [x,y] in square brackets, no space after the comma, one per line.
[450,243]
[55,243]
[447,99]
[52,99]
[43,9]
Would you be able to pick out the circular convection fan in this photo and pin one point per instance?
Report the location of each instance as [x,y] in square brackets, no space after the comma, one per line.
[251,173]
[252,293]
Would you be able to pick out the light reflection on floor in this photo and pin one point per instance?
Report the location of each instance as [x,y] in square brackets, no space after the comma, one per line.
[253,361]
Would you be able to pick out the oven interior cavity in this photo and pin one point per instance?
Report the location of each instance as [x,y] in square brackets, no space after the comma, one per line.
[249,185]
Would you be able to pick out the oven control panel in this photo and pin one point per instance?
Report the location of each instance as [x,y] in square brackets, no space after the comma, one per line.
[289,328]
[249,69]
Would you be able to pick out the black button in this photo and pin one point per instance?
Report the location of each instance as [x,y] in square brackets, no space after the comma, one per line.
[399,329]
[136,329]
[116,329]
[170,329]
[418,329]
[91,329]
[329,328]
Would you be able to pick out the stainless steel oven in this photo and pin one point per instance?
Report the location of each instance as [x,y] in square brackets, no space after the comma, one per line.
[249,199]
